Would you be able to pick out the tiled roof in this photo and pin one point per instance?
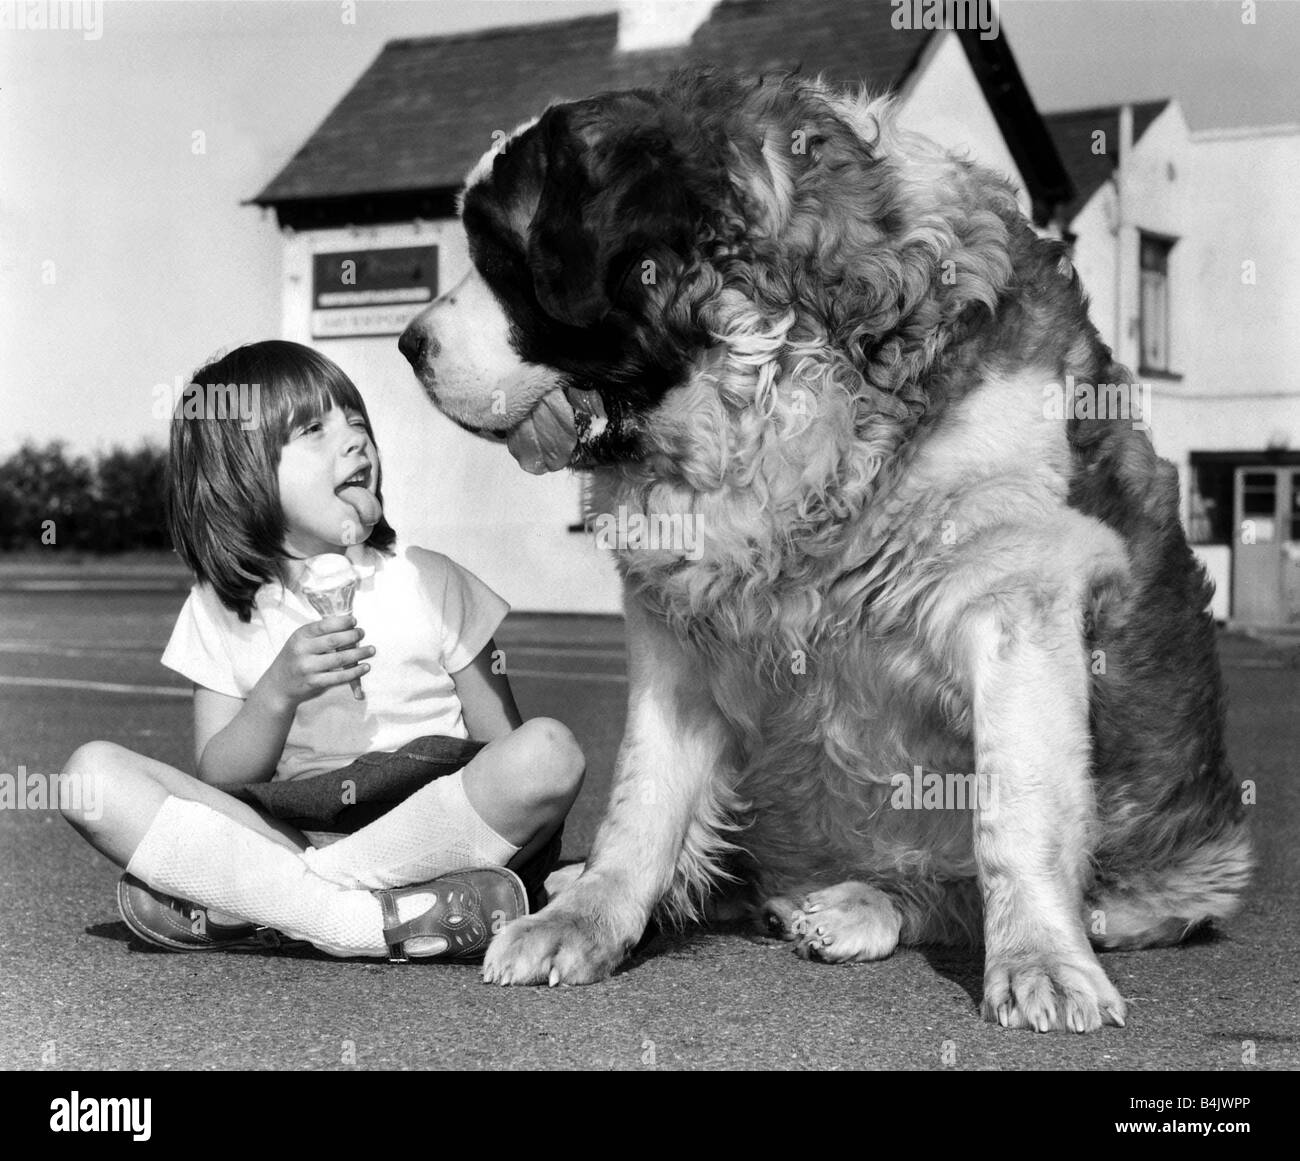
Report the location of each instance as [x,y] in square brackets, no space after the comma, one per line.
[426,109]
[1073,132]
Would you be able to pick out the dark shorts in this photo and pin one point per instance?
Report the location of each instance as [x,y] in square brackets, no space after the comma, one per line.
[377,783]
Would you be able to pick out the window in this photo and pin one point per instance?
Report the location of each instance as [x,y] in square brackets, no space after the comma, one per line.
[1210,502]
[1153,317]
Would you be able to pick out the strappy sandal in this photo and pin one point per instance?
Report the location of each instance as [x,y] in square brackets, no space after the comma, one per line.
[469,908]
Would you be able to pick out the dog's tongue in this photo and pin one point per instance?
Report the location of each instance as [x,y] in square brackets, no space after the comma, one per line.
[544,440]
[368,508]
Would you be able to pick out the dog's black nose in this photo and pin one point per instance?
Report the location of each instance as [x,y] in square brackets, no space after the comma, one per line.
[412,345]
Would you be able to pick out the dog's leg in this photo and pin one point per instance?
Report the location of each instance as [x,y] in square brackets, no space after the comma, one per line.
[656,836]
[1032,752]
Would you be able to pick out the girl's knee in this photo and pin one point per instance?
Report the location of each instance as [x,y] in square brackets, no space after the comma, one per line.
[558,760]
[86,779]
[85,767]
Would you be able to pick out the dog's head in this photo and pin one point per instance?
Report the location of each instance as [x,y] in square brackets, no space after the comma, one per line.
[624,243]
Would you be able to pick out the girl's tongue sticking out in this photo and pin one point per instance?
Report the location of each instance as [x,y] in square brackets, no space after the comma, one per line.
[363,500]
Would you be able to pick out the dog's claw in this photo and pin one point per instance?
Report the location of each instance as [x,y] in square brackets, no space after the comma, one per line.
[554,979]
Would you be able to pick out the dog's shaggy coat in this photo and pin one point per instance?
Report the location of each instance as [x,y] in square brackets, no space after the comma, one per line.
[760,307]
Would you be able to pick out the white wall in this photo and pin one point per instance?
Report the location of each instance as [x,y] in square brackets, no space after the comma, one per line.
[1158,192]
[1228,196]
[944,101]
[1237,343]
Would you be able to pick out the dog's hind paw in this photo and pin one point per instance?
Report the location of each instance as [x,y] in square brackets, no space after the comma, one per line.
[846,923]
[552,947]
[1050,993]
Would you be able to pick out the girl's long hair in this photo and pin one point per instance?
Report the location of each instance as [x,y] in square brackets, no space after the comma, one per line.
[227,432]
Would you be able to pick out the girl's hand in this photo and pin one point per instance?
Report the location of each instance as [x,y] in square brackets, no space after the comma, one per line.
[318,656]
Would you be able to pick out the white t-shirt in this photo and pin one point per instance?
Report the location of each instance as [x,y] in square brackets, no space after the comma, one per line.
[426,616]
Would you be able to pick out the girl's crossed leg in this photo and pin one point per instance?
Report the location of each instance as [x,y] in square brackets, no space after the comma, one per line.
[193,840]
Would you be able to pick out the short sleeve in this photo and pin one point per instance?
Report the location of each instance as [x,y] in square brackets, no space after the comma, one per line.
[198,647]
[470,612]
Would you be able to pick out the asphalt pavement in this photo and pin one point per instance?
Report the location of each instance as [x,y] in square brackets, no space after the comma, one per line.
[79,993]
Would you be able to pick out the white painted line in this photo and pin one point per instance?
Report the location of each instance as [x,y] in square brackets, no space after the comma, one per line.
[96,686]
[107,585]
[174,691]
[75,648]
[52,649]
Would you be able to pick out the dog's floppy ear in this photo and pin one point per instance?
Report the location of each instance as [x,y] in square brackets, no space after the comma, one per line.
[615,196]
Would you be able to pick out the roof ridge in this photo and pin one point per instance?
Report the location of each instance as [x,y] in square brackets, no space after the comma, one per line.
[499,30]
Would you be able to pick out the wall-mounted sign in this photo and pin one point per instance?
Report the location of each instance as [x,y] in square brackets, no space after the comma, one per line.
[371,292]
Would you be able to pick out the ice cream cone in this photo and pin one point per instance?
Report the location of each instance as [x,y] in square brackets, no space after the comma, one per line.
[329,582]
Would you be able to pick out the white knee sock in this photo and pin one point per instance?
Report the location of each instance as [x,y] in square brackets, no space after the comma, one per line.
[197,853]
[433,832]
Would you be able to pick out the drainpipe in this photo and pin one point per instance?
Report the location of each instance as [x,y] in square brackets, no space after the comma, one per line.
[1124,258]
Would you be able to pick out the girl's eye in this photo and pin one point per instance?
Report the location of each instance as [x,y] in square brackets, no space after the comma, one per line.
[308,428]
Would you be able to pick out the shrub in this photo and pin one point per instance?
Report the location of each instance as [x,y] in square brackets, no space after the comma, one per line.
[110,503]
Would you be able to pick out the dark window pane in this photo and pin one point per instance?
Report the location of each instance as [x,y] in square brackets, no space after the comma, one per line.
[1259,503]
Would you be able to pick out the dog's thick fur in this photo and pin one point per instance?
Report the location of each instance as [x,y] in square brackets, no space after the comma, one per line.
[826,343]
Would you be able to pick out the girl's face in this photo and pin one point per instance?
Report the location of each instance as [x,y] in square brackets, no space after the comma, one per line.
[321,456]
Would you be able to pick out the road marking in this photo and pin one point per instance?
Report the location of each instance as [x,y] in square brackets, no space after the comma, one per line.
[176,691]
[52,649]
[76,648]
[96,686]
[107,585]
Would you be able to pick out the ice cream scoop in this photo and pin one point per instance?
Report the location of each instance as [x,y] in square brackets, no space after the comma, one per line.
[330,582]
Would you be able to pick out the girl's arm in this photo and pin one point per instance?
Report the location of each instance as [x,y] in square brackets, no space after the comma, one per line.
[237,741]
[486,698]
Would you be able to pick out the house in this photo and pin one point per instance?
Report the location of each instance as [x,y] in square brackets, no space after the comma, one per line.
[1187,246]
[372,193]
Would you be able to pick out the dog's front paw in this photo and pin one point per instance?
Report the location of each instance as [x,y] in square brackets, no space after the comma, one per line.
[1050,992]
[552,947]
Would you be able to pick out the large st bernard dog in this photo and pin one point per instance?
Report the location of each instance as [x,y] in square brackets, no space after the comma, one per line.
[919,649]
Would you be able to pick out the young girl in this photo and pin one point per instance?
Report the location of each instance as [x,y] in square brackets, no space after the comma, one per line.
[286,755]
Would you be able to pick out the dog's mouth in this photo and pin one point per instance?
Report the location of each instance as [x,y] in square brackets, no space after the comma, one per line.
[564,429]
